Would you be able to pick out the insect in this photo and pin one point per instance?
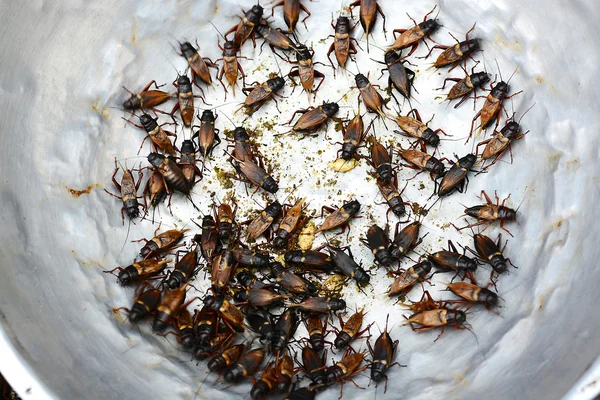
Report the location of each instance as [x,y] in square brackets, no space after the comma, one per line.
[225,221]
[187,162]
[350,330]
[184,270]
[368,15]
[312,118]
[456,177]
[264,220]
[409,278]
[265,384]
[343,44]
[231,65]
[305,393]
[222,268]
[313,365]
[309,259]
[160,137]
[261,297]
[491,253]
[205,325]
[255,175]
[169,305]
[452,260]
[400,77]
[198,65]
[139,271]
[290,281]
[474,293]
[185,328]
[185,103]
[423,161]
[453,55]
[340,217]
[146,99]
[378,242]
[227,358]
[370,96]
[346,264]
[305,69]
[501,141]
[291,12]
[248,282]
[291,220]
[345,369]
[285,374]
[489,212]
[243,148]
[463,87]
[412,36]
[492,106]
[251,258]
[172,174]
[274,37]
[144,304]
[392,196]
[207,134]
[383,354]
[405,240]
[284,330]
[316,332]
[320,305]
[230,313]
[246,26]
[353,135]
[162,242]
[218,344]
[261,325]
[128,190]
[261,93]
[155,190]
[414,127]
[209,238]
[431,314]
[381,160]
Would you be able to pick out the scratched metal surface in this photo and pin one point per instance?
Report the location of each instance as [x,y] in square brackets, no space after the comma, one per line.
[63,67]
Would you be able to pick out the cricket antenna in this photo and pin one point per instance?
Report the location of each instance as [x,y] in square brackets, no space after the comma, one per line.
[230,120]
[438,12]
[218,31]
[499,71]
[513,74]
[125,241]
[526,111]
[278,67]
[172,65]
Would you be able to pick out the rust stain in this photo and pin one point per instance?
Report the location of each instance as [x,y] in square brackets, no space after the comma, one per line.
[118,316]
[103,111]
[515,45]
[77,193]
[573,164]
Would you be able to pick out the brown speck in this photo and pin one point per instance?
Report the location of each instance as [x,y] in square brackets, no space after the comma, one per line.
[76,193]
[539,79]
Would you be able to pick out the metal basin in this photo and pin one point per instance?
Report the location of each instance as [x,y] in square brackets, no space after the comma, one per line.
[63,65]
